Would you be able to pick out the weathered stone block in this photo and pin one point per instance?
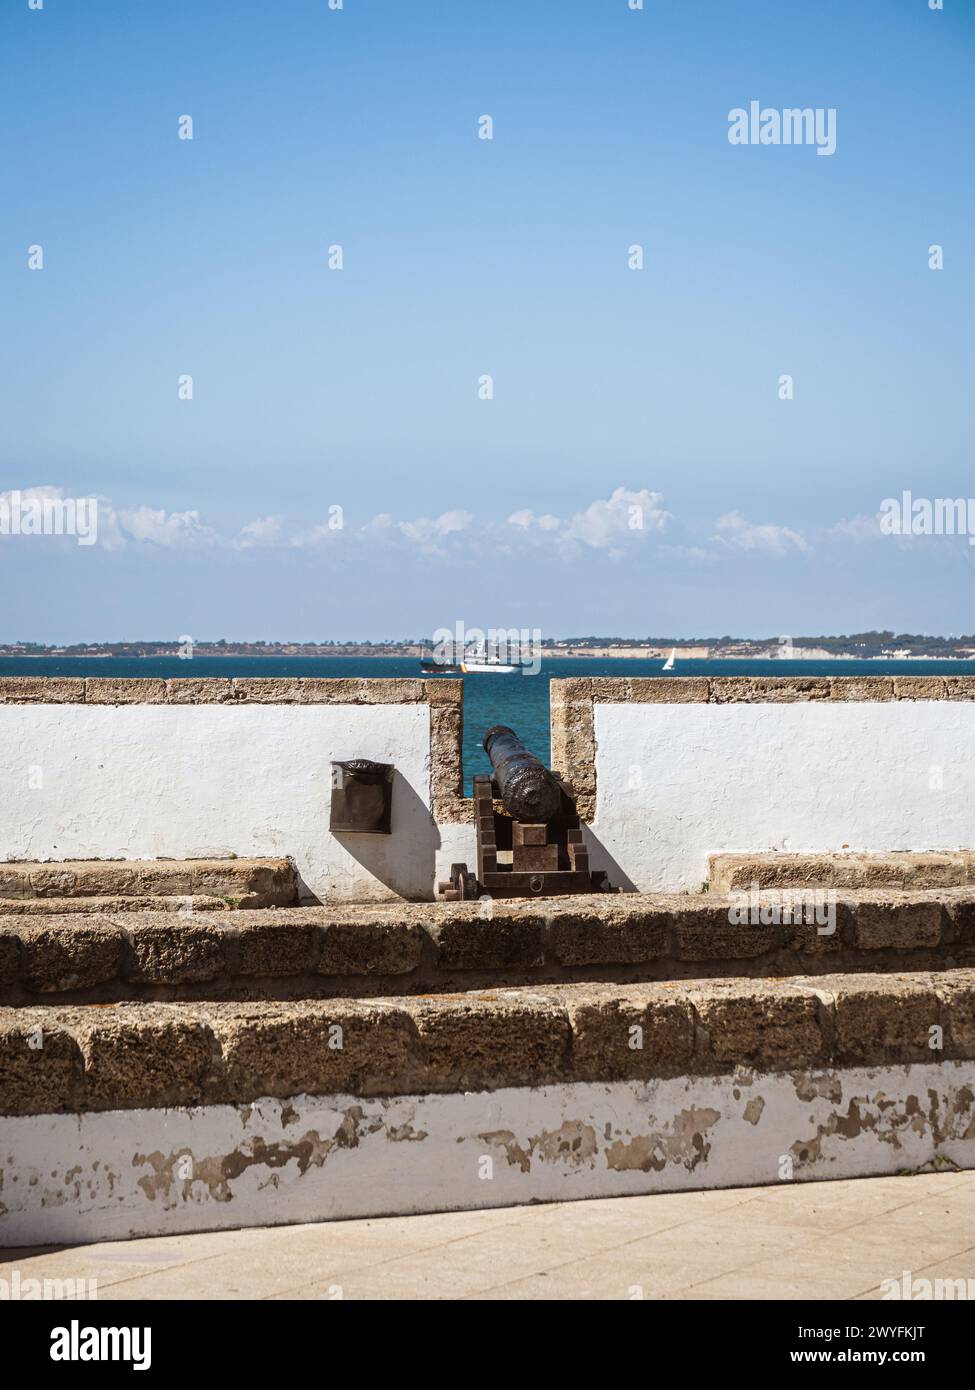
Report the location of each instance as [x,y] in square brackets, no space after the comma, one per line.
[956,992]
[173,949]
[74,955]
[250,882]
[481,1042]
[919,688]
[758,1025]
[635,1033]
[930,871]
[273,949]
[98,905]
[768,689]
[201,691]
[880,1018]
[283,1050]
[258,690]
[144,1055]
[960,912]
[861,688]
[362,691]
[102,690]
[669,690]
[45,690]
[444,690]
[740,872]
[573,739]
[10,968]
[895,925]
[14,881]
[821,937]
[41,1068]
[489,943]
[370,948]
[79,878]
[448,803]
[246,883]
[589,938]
[876,871]
[722,941]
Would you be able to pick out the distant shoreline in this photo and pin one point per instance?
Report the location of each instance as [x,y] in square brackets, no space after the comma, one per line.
[409,656]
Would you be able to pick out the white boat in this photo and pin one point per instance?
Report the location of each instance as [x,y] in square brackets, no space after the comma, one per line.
[479,662]
[669,663]
[477,667]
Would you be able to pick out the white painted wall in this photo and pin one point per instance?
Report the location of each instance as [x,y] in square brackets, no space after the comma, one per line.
[149,781]
[127,1173]
[677,782]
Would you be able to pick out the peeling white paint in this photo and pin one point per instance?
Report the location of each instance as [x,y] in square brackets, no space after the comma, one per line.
[677,782]
[148,1172]
[145,781]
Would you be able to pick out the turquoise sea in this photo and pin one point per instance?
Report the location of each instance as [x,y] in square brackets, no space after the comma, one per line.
[520,701]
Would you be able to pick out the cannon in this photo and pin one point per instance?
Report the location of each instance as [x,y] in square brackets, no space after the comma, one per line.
[529,839]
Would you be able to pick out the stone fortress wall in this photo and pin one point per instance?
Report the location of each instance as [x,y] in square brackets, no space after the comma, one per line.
[668,771]
[214,1012]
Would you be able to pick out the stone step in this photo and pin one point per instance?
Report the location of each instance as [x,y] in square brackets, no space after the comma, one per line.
[140,1055]
[147,1118]
[95,906]
[901,869]
[415,948]
[253,883]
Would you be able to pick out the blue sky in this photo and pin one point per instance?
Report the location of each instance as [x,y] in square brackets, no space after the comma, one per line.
[614,389]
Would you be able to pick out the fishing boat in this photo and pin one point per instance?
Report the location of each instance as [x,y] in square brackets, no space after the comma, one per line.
[669,663]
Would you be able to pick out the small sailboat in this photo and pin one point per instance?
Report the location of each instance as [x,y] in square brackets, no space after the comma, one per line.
[669,663]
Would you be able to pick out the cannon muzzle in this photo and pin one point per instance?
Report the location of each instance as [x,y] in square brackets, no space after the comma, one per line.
[528,790]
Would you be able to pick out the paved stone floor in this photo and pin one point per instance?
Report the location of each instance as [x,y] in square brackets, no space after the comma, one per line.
[821,1240]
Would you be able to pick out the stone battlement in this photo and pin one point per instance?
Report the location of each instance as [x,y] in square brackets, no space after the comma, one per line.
[216,1010]
[872,764]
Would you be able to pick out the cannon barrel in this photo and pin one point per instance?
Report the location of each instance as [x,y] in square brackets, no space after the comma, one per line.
[528,790]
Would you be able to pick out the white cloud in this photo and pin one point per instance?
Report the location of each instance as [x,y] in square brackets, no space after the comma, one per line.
[626,514]
[606,524]
[167,528]
[426,533]
[527,519]
[611,526]
[263,531]
[858,528]
[426,530]
[734,530]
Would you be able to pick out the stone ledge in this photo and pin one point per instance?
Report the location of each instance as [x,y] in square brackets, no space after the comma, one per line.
[148,1055]
[903,869]
[100,690]
[97,904]
[253,883]
[413,948]
[574,692]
